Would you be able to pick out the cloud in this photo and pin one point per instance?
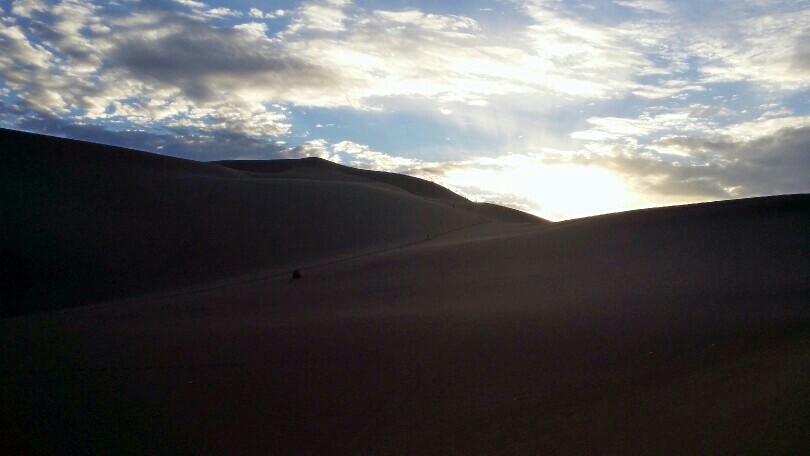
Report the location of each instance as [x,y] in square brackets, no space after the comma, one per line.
[766,49]
[657,6]
[52,72]
[259,14]
[313,148]
[361,156]
[177,142]
[155,66]
[207,63]
[192,3]
[88,58]
[452,58]
[320,16]
[696,118]
[27,8]
[666,89]
[762,127]
[778,163]
[573,55]
[337,54]
[698,153]
[222,12]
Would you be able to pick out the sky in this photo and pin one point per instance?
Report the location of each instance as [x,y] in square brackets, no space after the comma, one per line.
[561,108]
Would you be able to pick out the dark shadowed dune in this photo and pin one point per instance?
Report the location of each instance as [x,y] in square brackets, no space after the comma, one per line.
[89,222]
[680,330]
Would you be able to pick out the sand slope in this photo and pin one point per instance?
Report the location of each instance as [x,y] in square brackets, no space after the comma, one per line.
[84,222]
[320,169]
[681,330]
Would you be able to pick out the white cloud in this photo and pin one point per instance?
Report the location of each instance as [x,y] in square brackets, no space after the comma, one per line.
[256,13]
[27,8]
[767,49]
[572,56]
[313,148]
[776,112]
[222,12]
[756,129]
[361,156]
[695,119]
[334,54]
[192,4]
[25,68]
[666,89]
[443,24]
[321,16]
[451,58]
[154,68]
[658,6]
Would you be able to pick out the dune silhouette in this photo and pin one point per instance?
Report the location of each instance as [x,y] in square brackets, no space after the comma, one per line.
[150,305]
[115,222]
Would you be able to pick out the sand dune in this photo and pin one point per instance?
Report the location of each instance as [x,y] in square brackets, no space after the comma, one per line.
[320,169]
[86,222]
[682,330]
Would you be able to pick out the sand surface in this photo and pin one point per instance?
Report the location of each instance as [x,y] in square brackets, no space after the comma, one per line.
[422,324]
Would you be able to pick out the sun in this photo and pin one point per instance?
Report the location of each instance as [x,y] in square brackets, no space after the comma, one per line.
[553,191]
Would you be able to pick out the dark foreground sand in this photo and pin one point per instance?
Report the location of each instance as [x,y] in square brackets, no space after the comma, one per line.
[680,330]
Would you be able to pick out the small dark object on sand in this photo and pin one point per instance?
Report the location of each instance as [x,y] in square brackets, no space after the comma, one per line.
[296,274]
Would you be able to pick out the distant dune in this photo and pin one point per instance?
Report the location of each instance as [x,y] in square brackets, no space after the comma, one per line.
[320,169]
[422,323]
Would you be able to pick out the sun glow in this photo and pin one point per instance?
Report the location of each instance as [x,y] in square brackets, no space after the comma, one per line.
[552,191]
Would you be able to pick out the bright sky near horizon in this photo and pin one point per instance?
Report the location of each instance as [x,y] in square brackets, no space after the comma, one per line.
[562,108]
